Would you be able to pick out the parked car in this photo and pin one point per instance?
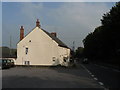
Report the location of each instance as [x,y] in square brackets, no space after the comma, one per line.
[4,63]
[85,61]
[11,63]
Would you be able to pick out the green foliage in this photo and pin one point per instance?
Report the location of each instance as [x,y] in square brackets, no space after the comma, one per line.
[5,52]
[104,42]
[79,52]
[93,44]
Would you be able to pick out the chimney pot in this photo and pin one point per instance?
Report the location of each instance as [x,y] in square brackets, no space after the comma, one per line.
[54,34]
[22,27]
[37,23]
[21,33]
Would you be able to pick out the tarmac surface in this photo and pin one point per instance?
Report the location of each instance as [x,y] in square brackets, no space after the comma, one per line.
[110,77]
[48,77]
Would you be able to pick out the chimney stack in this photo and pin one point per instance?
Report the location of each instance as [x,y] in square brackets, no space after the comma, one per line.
[54,34]
[37,23]
[21,33]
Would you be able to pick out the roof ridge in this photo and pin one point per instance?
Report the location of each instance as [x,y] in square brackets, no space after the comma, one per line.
[60,43]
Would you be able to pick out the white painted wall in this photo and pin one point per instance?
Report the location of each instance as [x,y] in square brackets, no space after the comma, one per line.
[41,50]
[64,52]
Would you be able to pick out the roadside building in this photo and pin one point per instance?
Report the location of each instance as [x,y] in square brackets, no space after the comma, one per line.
[40,47]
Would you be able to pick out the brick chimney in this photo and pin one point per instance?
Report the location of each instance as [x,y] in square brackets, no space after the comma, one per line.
[21,33]
[37,23]
[54,34]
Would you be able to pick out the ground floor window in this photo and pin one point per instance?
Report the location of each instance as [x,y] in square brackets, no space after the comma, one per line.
[53,58]
[65,59]
[27,62]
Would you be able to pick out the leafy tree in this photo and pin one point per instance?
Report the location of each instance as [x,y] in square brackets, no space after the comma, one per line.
[5,52]
[111,30]
[79,52]
[104,42]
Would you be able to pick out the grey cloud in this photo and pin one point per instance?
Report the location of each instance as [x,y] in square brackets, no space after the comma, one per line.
[72,21]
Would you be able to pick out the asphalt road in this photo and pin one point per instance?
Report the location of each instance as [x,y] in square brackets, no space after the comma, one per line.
[108,76]
[48,77]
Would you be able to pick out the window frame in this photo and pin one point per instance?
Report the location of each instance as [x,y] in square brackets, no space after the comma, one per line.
[26,50]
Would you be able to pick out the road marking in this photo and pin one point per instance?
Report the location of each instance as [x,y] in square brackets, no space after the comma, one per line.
[101,83]
[86,69]
[90,73]
[95,78]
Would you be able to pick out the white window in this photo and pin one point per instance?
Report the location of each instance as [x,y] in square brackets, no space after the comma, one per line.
[26,50]
[27,62]
[53,58]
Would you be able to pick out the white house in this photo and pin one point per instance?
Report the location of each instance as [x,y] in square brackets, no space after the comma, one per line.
[40,47]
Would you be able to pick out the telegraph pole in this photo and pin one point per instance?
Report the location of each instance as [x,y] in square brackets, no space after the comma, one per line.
[73,49]
[10,45]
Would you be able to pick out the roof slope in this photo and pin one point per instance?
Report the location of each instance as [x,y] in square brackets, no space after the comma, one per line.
[60,43]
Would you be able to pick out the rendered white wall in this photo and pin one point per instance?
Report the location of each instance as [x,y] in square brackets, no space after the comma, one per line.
[41,49]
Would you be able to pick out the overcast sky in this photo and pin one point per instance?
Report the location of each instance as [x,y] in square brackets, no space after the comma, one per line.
[0,24]
[71,21]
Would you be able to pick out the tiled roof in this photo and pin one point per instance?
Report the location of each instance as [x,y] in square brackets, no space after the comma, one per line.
[60,43]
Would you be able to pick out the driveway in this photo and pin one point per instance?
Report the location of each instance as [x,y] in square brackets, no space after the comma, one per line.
[48,77]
